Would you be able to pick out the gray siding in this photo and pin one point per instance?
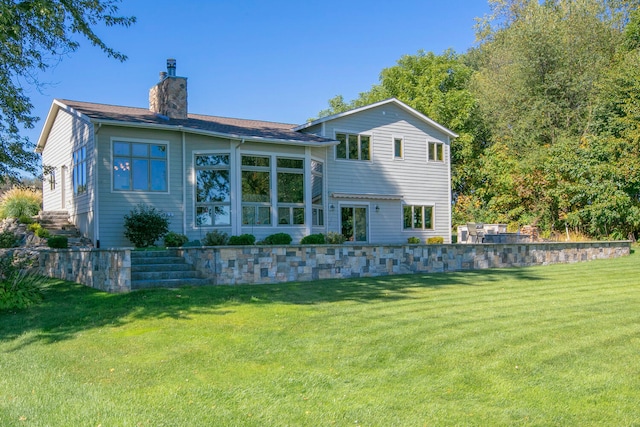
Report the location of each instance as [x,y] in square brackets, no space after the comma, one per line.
[417,180]
[67,134]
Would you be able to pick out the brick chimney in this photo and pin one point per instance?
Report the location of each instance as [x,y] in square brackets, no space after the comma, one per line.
[169,96]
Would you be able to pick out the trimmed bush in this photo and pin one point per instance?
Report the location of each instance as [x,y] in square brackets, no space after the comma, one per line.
[144,225]
[8,239]
[278,239]
[174,240]
[215,238]
[334,238]
[438,240]
[58,242]
[19,202]
[26,219]
[313,239]
[42,233]
[413,240]
[242,240]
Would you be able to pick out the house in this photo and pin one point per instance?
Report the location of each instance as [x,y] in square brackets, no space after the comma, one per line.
[377,174]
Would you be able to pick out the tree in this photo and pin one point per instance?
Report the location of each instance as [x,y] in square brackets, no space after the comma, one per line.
[34,34]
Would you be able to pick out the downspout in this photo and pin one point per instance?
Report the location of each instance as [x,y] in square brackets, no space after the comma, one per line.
[96,192]
[184,184]
[449,192]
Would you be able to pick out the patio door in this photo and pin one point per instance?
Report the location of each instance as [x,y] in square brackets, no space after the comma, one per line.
[354,223]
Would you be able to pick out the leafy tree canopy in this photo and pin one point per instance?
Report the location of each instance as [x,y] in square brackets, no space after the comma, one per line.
[34,34]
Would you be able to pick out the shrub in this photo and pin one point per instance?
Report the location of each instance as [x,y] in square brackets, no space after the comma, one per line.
[25,219]
[334,238]
[144,225]
[215,238]
[413,240]
[34,227]
[193,243]
[278,239]
[313,239]
[243,239]
[18,287]
[58,242]
[438,240]
[42,233]
[172,239]
[8,239]
[19,202]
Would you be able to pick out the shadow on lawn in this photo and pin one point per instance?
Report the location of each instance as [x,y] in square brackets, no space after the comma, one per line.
[70,308]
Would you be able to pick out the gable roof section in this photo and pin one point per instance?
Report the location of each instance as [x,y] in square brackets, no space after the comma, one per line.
[394,101]
[224,127]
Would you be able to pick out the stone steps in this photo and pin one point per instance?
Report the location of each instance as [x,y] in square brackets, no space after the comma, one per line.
[162,269]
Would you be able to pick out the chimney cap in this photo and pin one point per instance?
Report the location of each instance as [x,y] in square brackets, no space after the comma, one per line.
[171,67]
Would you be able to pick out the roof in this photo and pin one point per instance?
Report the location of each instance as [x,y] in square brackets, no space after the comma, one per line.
[195,123]
[393,101]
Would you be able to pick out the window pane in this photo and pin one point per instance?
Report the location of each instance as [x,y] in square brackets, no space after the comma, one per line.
[212,186]
[417,217]
[159,151]
[290,163]
[298,215]
[428,217]
[407,217]
[264,215]
[360,224]
[290,188]
[314,217]
[341,149]
[121,149]
[365,148]
[248,215]
[203,216]
[212,160]
[440,152]
[256,186]
[347,223]
[284,216]
[140,174]
[255,161]
[316,166]
[353,147]
[316,189]
[140,150]
[121,173]
[158,175]
[397,147]
[222,215]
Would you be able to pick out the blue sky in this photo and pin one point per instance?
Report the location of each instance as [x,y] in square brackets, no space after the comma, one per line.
[276,60]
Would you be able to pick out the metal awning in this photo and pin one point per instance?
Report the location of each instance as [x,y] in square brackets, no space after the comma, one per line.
[367,196]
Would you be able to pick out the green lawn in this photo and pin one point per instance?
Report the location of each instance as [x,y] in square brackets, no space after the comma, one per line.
[556,345]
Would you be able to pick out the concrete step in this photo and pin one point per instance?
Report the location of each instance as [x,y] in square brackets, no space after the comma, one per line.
[163,275]
[156,260]
[171,283]
[142,268]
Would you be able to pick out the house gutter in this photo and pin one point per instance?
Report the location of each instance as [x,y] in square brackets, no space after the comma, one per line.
[184,183]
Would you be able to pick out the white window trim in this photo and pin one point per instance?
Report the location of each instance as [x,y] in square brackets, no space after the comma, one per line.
[414,230]
[194,184]
[143,141]
[444,153]
[359,134]
[355,204]
[393,147]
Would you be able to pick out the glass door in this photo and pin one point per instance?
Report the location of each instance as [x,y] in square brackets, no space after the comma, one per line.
[353,220]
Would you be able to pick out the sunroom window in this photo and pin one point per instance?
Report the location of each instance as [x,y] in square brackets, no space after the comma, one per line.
[139,166]
[213,190]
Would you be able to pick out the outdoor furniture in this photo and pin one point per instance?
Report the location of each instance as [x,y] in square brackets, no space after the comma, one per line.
[475,232]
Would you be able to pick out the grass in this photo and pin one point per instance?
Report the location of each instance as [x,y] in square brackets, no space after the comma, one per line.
[543,346]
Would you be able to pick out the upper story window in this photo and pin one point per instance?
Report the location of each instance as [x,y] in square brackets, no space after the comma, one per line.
[139,166]
[213,190]
[436,151]
[398,148]
[418,217]
[353,147]
[290,191]
[80,170]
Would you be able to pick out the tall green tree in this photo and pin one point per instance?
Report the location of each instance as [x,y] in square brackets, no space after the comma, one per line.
[34,34]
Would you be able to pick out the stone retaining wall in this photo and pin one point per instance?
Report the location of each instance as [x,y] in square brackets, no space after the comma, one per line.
[110,269]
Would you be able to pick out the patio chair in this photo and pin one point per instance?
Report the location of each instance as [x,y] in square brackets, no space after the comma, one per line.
[475,232]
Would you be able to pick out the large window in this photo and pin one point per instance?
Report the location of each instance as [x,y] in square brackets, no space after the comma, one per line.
[139,166]
[418,217]
[256,190]
[317,191]
[436,151]
[353,147]
[290,191]
[80,170]
[213,190]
